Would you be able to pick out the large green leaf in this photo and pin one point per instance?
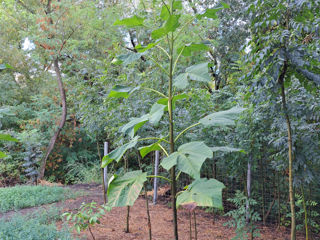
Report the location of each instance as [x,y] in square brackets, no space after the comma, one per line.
[153,117]
[193,47]
[210,13]
[150,148]
[2,155]
[222,118]
[7,137]
[203,192]
[5,66]
[132,127]
[170,26]
[177,5]
[164,101]
[189,158]
[134,21]
[141,49]
[117,153]
[120,91]
[227,149]
[124,191]
[198,72]
[126,59]
[156,113]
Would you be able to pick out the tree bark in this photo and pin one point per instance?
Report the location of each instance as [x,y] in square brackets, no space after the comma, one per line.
[62,120]
[290,153]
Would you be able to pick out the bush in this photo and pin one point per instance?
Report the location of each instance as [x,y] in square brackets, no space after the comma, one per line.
[18,197]
[37,226]
[238,221]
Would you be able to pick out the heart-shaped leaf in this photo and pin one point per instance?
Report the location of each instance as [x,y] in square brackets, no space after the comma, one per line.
[150,148]
[194,47]
[203,192]
[170,26]
[164,101]
[222,118]
[198,72]
[156,113]
[189,158]
[132,127]
[210,13]
[124,191]
[134,21]
[117,153]
[227,149]
[120,91]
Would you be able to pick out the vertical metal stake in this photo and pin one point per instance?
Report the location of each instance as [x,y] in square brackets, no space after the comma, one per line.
[105,170]
[155,182]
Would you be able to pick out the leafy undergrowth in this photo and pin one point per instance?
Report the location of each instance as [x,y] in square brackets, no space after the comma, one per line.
[39,225]
[18,197]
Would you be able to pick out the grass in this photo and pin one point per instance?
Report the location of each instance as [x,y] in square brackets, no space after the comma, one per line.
[36,226]
[18,197]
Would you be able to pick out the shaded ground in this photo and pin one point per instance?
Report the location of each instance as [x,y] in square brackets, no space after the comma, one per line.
[113,223]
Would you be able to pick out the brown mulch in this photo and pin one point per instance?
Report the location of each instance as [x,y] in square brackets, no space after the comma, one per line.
[113,223]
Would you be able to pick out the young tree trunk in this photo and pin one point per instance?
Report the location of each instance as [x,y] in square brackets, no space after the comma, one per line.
[102,174]
[290,153]
[195,225]
[62,120]
[305,213]
[148,211]
[171,140]
[127,230]
[248,191]
[155,183]
[190,225]
[278,195]
[105,174]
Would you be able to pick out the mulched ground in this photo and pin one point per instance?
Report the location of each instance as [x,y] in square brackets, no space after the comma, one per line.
[113,223]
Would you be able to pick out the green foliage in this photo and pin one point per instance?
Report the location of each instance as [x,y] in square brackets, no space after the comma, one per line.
[312,214]
[37,226]
[7,137]
[239,217]
[13,198]
[31,163]
[86,217]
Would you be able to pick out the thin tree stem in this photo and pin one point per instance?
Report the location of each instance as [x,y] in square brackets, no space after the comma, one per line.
[91,233]
[290,151]
[195,225]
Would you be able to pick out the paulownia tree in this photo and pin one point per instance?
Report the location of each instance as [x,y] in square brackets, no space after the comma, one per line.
[188,157]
